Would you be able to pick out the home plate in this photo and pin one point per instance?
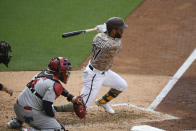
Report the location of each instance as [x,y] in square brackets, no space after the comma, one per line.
[145,128]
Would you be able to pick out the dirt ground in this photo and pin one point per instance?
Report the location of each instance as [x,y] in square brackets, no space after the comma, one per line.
[161,35]
[139,85]
[181,101]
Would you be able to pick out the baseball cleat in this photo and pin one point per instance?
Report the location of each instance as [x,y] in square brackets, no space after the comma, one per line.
[107,107]
[29,129]
[14,124]
[25,129]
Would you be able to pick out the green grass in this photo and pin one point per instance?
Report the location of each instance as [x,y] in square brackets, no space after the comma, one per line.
[34,28]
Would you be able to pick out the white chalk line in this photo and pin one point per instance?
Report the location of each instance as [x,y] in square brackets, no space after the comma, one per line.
[142,109]
[169,117]
[173,80]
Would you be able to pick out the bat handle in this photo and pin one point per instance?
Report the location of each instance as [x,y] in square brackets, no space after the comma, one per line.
[89,30]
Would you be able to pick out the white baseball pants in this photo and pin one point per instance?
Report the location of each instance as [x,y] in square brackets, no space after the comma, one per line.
[94,79]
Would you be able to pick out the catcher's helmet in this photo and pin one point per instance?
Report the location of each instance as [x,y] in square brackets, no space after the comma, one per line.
[5,57]
[115,23]
[60,66]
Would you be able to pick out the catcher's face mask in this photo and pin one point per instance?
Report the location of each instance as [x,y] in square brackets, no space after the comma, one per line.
[62,67]
[64,76]
[5,55]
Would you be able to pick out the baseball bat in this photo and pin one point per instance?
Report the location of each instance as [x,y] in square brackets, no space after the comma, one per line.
[69,34]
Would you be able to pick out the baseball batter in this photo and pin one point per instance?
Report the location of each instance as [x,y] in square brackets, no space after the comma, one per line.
[34,104]
[97,73]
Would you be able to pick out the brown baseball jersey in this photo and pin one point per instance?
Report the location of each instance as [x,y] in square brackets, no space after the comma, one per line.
[104,50]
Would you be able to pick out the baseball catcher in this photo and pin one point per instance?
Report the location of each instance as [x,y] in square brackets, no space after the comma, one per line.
[105,46]
[5,57]
[34,105]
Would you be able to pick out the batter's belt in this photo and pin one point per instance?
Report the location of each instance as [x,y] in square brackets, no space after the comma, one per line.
[95,70]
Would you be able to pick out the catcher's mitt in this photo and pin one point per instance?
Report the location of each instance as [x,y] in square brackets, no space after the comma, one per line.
[79,106]
[5,48]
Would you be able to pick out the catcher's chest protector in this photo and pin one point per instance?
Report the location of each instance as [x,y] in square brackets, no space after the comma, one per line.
[58,88]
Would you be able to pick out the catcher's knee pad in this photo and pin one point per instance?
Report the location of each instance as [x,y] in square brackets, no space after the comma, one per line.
[112,93]
[15,123]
